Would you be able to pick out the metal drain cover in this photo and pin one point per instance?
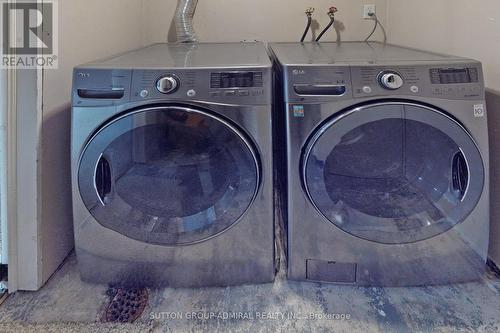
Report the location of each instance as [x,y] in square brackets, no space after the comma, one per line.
[125,305]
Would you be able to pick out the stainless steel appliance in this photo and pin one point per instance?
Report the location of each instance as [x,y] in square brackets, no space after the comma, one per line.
[386,153]
[172,166]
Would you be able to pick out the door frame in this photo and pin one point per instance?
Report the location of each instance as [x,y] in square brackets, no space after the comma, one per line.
[23,184]
[11,179]
[23,179]
[4,253]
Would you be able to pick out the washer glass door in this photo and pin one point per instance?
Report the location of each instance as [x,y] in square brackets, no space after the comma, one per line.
[393,172]
[168,175]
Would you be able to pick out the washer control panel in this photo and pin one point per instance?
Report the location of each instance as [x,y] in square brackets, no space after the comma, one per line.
[390,80]
[460,81]
[317,83]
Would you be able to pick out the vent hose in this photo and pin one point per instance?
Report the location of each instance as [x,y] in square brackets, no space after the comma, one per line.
[184,21]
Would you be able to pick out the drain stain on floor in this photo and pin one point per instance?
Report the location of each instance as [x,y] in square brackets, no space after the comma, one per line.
[125,305]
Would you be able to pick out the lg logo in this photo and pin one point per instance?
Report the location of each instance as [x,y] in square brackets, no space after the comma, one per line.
[298,72]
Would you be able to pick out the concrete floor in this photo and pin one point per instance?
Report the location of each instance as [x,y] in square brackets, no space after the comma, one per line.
[66,304]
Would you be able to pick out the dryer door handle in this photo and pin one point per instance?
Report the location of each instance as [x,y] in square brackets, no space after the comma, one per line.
[103,179]
[460,174]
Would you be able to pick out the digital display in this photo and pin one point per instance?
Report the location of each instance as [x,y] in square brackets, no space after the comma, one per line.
[454,75]
[232,80]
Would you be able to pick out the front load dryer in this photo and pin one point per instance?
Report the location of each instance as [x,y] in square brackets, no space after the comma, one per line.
[387,164]
[172,166]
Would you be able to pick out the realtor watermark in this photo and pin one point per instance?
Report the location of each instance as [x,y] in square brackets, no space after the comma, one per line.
[250,316]
[29,34]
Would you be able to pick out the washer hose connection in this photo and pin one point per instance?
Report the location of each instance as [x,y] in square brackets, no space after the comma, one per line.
[309,13]
[331,14]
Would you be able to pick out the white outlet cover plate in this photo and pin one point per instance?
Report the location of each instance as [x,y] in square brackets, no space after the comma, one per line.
[369,9]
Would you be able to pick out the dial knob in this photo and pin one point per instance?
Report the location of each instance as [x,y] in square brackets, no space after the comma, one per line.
[167,84]
[391,80]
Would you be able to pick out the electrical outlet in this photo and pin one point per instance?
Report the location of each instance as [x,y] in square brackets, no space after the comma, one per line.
[369,11]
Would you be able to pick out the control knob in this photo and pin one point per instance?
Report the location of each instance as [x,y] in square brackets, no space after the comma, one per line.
[167,84]
[390,80]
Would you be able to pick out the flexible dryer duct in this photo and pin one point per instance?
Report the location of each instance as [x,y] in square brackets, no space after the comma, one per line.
[184,21]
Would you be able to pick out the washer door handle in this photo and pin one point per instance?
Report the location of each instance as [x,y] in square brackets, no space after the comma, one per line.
[103,179]
[460,174]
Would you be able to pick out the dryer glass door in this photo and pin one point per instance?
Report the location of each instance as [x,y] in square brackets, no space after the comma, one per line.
[168,175]
[393,172]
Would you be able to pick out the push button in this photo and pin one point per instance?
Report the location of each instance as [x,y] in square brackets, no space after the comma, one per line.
[243,93]
[230,93]
[367,89]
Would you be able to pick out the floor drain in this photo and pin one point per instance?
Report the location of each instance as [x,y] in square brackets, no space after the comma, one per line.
[125,305]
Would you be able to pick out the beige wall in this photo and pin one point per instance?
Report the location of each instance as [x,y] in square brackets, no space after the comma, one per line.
[88,29]
[465,28]
[493,101]
[264,20]
[461,27]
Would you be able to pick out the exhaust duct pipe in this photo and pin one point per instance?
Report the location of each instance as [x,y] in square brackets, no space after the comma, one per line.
[184,21]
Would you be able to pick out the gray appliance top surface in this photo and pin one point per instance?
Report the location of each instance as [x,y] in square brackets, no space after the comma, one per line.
[199,55]
[352,53]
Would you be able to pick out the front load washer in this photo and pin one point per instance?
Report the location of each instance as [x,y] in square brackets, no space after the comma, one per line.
[387,164]
[172,166]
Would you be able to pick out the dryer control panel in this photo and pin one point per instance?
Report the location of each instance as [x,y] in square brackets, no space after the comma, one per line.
[107,87]
[242,87]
